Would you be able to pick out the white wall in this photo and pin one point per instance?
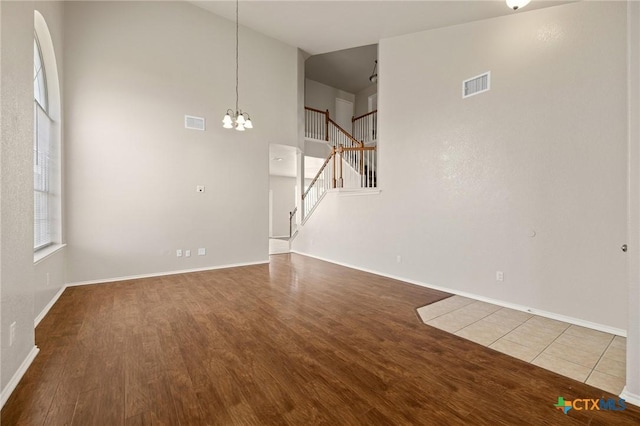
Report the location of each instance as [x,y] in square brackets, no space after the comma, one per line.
[24,288]
[132,71]
[632,389]
[316,149]
[284,201]
[49,274]
[323,97]
[362,99]
[16,204]
[466,182]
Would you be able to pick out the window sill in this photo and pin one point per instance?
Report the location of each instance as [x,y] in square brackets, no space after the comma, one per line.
[41,255]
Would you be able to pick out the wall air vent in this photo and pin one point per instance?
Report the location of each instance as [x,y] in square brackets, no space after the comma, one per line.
[195,123]
[475,85]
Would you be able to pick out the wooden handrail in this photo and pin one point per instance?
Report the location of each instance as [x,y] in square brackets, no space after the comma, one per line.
[313,182]
[360,148]
[357,142]
[363,115]
[316,110]
[291,215]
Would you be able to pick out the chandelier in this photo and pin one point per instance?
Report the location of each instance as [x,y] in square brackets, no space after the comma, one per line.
[236,118]
[374,75]
[517,4]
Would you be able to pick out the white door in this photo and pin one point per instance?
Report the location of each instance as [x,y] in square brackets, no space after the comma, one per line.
[373,102]
[344,114]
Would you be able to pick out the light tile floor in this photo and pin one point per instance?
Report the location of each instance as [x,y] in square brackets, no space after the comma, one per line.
[587,355]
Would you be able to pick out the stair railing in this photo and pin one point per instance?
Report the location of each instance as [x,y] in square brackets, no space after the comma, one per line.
[364,127]
[316,124]
[292,215]
[338,172]
[320,184]
[366,175]
[340,137]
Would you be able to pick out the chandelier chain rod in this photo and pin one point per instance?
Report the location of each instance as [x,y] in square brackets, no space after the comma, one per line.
[237,56]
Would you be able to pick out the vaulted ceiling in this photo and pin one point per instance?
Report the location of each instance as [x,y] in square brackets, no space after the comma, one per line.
[325,26]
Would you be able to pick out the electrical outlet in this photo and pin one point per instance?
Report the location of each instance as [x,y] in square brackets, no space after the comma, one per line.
[499,276]
[398,259]
[200,188]
[202,251]
[187,253]
[178,253]
[12,333]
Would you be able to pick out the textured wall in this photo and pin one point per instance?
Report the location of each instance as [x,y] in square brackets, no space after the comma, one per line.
[633,334]
[16,204]
[362,99]
[49,274]
[132,71]
[323,97]
[283,202]
[466,183]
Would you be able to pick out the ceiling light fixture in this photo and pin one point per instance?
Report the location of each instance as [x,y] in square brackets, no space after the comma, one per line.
[517,4]
[374,75]
[237,119]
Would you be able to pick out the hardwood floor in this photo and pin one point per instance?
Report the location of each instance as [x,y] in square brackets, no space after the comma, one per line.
[296,342]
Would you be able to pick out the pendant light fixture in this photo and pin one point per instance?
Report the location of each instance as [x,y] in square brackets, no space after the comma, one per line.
[517,4]
[237,119]
[374,75]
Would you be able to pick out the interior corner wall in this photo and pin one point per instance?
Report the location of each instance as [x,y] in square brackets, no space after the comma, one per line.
[49,274]
[2,330]
[362,99]
[133,70]
[529,178]
[16,179]
[300,89]
[632,389]
[323,97]
[284,201]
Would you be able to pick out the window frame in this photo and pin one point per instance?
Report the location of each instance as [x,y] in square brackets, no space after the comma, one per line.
[42,185]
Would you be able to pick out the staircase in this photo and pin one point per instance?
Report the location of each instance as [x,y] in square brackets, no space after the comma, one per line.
[352,161]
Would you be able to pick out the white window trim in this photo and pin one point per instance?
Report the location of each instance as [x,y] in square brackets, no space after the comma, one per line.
[46,252]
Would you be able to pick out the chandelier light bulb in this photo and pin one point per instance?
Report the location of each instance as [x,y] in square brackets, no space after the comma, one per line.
[517,4]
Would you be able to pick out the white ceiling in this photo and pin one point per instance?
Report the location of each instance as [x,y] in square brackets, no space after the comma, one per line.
[326,26]
[283,160]
[347,70]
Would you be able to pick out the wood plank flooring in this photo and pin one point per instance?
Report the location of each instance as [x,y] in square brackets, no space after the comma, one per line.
[296,342]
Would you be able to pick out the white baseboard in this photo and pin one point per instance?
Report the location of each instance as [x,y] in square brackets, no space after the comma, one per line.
[46,309]
[11,386]
[630,397]
[162,274]
[551,315]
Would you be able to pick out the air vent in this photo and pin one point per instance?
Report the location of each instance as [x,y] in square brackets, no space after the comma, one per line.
[475,85]
[195,123]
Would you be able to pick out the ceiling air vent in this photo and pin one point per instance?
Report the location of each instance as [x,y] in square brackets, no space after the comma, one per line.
[195,123]
[475,85]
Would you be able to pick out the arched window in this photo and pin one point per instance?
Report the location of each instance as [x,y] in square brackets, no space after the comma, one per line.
[46,144]
[39,77]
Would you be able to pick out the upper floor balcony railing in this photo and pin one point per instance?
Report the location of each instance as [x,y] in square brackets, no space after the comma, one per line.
[365,127]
